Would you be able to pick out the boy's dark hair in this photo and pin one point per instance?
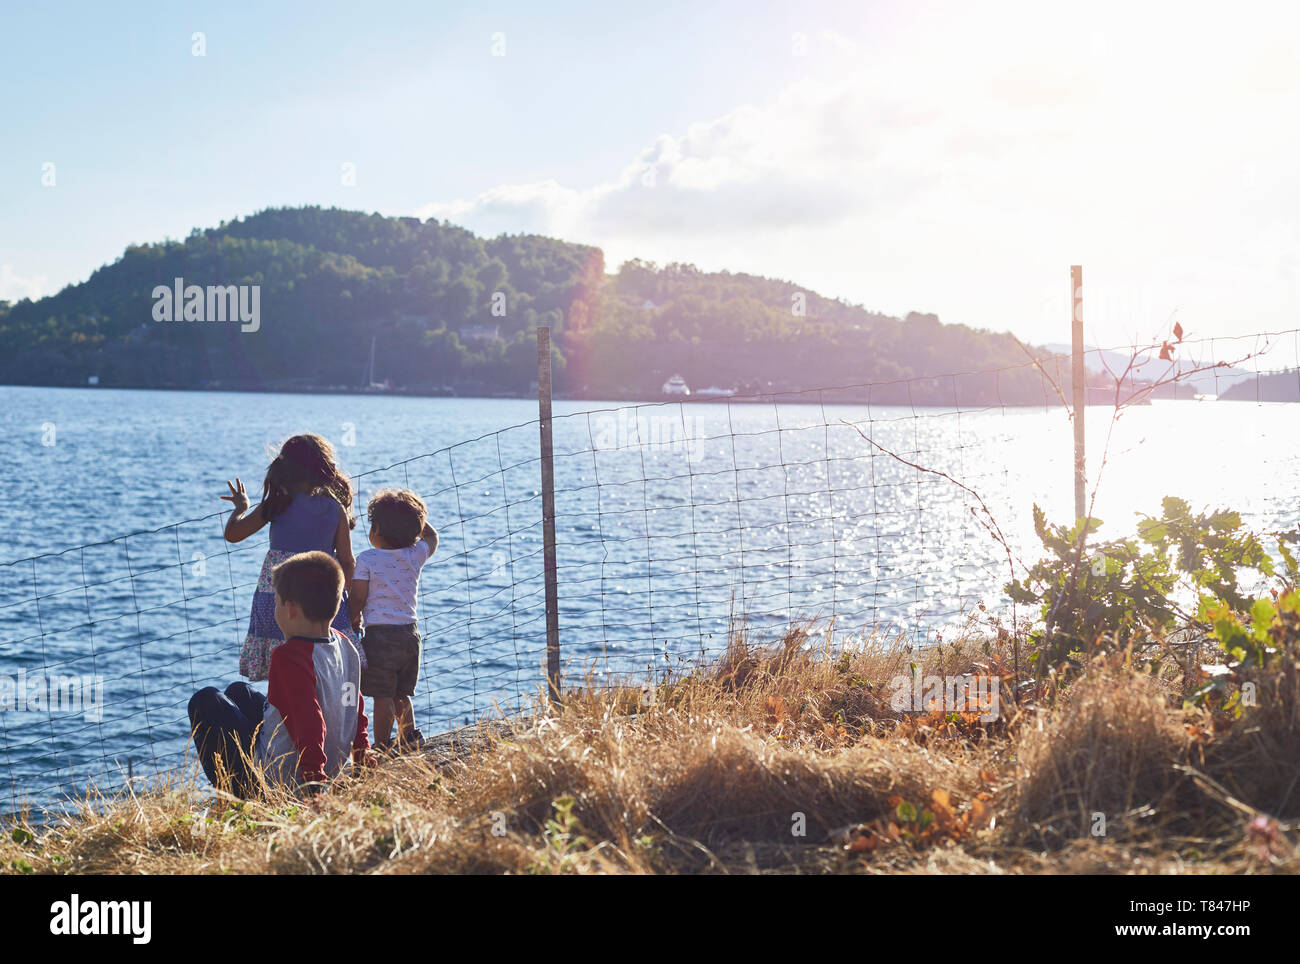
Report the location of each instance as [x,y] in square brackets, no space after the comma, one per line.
[313,580]
[398,515]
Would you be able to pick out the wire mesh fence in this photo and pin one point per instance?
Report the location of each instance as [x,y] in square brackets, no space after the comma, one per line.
[675,519]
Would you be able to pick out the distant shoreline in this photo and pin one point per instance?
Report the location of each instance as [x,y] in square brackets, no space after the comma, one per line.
[793,396]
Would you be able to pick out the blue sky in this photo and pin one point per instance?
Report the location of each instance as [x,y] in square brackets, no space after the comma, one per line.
[900,155]
[149,140]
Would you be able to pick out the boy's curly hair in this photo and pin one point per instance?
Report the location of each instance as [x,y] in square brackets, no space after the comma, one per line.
[398,515]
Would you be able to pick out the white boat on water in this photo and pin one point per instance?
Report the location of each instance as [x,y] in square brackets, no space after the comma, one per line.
[676,386]
[370,385]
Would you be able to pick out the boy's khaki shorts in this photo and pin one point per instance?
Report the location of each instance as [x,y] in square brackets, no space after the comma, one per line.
[392,661]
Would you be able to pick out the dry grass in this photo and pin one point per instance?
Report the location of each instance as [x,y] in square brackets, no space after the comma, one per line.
[711,774]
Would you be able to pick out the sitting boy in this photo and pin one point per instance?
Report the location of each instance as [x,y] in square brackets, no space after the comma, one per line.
[312,718]
[384,590]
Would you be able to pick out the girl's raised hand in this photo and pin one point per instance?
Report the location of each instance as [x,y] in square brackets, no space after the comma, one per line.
[240,525]
[237,495]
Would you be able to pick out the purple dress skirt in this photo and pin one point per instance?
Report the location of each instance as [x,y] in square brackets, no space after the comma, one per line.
[309,523]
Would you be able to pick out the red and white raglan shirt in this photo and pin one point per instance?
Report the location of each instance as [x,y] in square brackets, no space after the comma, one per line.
[315,717]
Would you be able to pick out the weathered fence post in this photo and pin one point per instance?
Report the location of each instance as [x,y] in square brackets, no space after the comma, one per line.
[548,513]
[1080,388]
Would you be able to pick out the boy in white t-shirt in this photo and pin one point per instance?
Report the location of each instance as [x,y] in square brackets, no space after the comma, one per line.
[384,591]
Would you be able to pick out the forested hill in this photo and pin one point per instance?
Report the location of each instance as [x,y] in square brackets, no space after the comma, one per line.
[329,281]
[447,311]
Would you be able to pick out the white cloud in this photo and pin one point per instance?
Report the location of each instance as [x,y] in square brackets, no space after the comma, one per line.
[15,287]
[750,169]
[962,161]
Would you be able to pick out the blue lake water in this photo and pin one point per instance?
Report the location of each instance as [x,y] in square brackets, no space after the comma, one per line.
[671,520]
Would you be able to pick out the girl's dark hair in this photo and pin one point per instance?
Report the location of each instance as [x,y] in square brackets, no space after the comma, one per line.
[306,463]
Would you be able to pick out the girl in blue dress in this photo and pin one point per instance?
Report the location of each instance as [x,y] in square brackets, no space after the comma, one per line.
[307,501]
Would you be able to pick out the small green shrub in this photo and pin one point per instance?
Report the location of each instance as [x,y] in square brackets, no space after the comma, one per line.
[1107,594]
[1258,644]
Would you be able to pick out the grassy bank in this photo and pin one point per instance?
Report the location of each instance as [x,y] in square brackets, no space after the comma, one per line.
[717,773]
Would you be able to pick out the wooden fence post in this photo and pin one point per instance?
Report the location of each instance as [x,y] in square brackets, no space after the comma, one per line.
[1080,380]
[548,513]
